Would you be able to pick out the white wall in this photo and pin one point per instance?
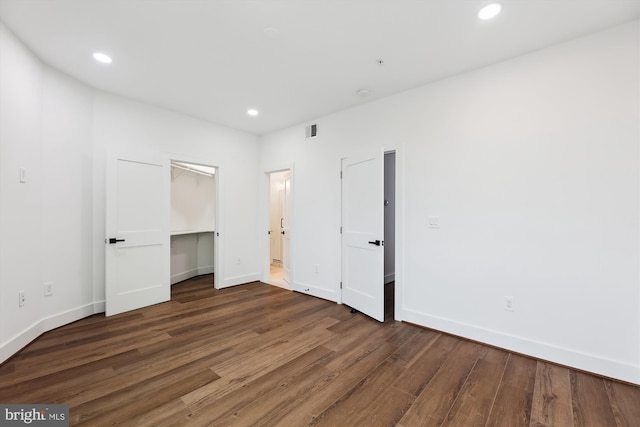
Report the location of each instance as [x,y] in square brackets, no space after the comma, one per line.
[532,166]
[192,201]
[45,223]
[53,226]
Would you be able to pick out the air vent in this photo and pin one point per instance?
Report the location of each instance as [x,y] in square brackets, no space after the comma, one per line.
[311,131]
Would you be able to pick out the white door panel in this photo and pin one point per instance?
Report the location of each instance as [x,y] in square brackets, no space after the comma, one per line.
[286,229]
[362,233]
[137,265]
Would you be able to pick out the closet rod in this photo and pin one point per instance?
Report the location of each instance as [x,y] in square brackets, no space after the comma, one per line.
[192,170]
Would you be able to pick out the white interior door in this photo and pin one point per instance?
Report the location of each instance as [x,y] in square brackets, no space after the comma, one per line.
[286,228]
[137,225]
[362,233]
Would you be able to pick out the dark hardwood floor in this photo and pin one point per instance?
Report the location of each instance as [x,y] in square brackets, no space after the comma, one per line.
[257,355]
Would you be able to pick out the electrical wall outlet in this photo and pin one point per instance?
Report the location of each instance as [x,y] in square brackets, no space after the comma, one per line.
[48,289]
[316,269]
[21,299]
[509,304]
[238,260]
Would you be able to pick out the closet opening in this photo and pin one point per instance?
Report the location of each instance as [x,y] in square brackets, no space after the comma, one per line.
[279,228]
[193,221]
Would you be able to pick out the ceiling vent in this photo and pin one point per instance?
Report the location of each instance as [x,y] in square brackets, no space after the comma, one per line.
[311,131]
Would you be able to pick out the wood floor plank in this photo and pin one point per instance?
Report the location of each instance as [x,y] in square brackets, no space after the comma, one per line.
[512,405]
[340,379]
[625,403]
[211,409]
[418,374]
[387,409]
[141,397]
[473,405]
[591,407]
[358,400]
[236,372]
[551,405]
[434,402]
[260,355]
[416,345]
[270,408]
[172,414]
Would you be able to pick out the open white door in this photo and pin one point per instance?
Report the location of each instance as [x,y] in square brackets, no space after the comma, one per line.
[362,233]
[286,228]
[137,225]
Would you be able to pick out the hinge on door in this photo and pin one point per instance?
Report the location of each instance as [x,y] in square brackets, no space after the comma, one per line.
[340,229]
[340,285]
[340,174]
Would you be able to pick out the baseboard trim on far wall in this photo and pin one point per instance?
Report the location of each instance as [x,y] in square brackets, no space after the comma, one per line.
[540,350]
[316,291]
[205,270]
[240,280]
[21,340]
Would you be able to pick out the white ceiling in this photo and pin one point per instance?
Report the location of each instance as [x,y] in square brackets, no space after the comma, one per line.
[294,60]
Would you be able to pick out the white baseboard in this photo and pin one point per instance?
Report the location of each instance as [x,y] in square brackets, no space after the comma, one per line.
[205,270]
[184,275]
[540,350]
[239,280]
[388,278]
[21,340]
[317,292]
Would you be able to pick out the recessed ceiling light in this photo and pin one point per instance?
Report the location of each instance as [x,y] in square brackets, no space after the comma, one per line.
[489,11]
[363,92]
[252,112]
[101,57]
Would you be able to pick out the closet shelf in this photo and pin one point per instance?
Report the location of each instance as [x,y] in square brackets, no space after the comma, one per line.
[182,232]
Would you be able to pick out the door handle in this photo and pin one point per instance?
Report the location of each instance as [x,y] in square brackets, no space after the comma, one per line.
[113,241]
[282,232]
[376,242]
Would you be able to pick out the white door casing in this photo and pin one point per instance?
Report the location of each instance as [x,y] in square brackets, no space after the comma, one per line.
[286,228]
[137,215]
[363,233]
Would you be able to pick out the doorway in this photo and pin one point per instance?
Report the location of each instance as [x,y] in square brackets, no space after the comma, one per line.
[389,234]
[193,215]
[279,228]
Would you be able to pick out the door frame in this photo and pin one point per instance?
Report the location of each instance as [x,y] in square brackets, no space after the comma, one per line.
[399,232]
[265,242]
[218,247]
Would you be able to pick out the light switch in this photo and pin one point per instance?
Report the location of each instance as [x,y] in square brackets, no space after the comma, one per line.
[433,222]
[23,175]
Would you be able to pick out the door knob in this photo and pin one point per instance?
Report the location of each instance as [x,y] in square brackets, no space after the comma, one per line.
[282,232]
[375,242]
